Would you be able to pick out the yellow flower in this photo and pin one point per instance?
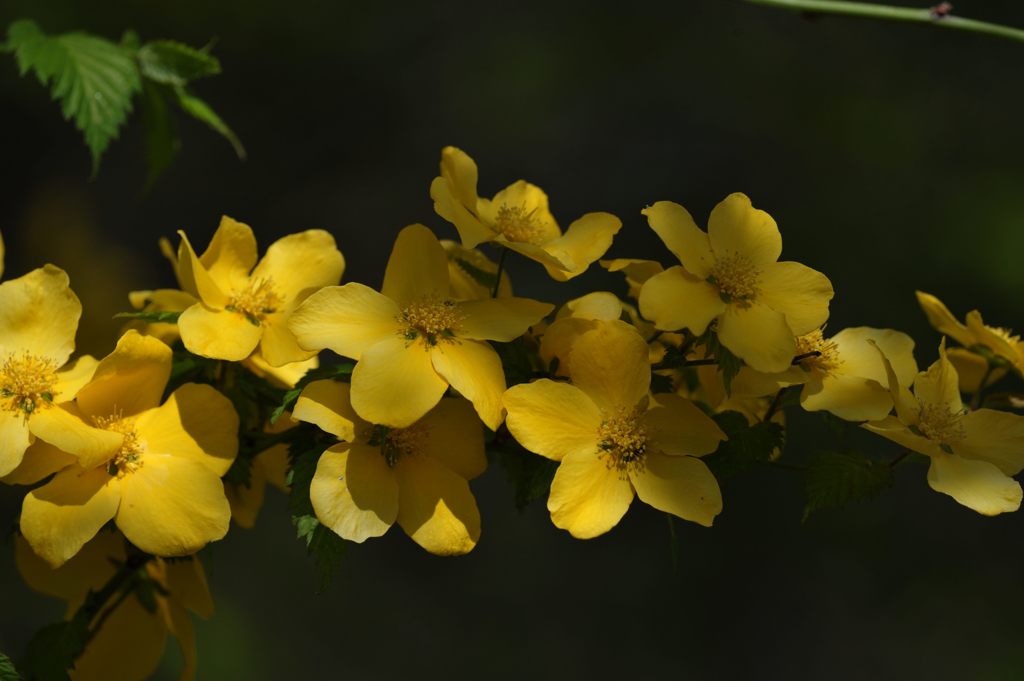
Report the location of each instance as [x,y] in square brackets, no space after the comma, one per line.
[244,304]
[636,271]
[518,218]
[973,453]
[848,379]
[160,300]
[613,440]
[468,269]
[413,339]
[730,275]
[130,643]
[156,472]
[971,366]
[417,475]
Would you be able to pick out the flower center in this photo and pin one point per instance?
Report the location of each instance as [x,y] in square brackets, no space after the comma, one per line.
[827,361]
[622,437]
[431,317]
[395,443]
[937,423]
[736,277]
[255,301]
[27,383]
[129,457]
[1006,334]
[515,223]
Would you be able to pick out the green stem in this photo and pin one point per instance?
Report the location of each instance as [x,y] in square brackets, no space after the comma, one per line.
[890,13]
[96,601]
[976,398]
[903,455]
[501,269]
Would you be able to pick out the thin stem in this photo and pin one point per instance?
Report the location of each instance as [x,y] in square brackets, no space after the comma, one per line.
[931,17]
[93,608]
[903,455]
[976,398]
[501,269]
[776,403]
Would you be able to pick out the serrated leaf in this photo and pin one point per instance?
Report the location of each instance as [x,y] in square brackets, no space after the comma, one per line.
[728,363]
[160,133]
[332,371]
[202,112]
[327,551]
[834,479]
[152,317]
[93,78]
[173,63]
[7,670]
[747,444]
[54,648]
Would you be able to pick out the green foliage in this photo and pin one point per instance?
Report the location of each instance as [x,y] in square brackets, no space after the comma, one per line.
[161,140]
[54,648]
[486,279]
[515,360]
[150,317]
[529,473]
[94,79]
[332,371]
[7,670]
[172,63]
[325,547]
[834,479]
[728,363]
[201,111]
[747,445]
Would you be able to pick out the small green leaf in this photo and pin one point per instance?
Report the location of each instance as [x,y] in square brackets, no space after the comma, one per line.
[173,63]
[201,111]
[7,670]
[160,133]
[529,473]
[482,277]
[834,479]
[728,363]
[515,360]
[747,444]
[325,547]
[332,371]
[54,648]
[151,317]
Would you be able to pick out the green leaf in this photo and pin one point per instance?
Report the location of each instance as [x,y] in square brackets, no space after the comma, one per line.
[515,360]
[834,479]
[93,78]
[728,363]
[747,444]
[54,648]
[325,548]
[173,63]
[7,670]
[332,371]
[151,317]
[201,111]
[160,133]
[529,473]
[482,277]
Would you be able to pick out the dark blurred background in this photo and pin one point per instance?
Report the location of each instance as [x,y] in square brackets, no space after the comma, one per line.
[889,154]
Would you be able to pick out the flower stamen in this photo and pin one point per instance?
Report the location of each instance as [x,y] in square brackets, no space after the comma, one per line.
[396,443]
[826,361]
[27,383]
[128,458]
[431,317]
[515,223]
[737,279]
[257,300]
[622,438]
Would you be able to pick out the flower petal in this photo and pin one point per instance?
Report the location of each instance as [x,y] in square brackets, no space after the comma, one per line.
[759,336]
[278,345]
[15,439]
[195,279]
[455,198]
[675,299]
[301,263]
[41,460]
[417,267]
[172,506]
[474,369]
[860,358]
[531,200]
[327,404]
[681,235]
[849,397]
[73,376]
[907,407]
[58,518]
[985,335]
[636,271]
[609,363]
[552,419]
[455,437]
[971,369]
[587,497]
[39,314]
[346,319]
[436,508]
[994,436]
[940,385]
[131,637]
[186,583]
[680,485]
[218,334]
[231,255]
[354,492]
[586,240]
[978,485]
[179,625]
[500,319]
[129,380]
[63,426]
[735,227]
[797,291]
[196,422]
[89,569]
[942,320]
[395,383]
[894,429]
[676,426]
[597,305]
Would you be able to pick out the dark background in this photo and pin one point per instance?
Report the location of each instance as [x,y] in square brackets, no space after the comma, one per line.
[889,154]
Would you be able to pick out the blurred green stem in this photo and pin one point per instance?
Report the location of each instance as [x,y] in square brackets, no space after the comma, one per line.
[890,13]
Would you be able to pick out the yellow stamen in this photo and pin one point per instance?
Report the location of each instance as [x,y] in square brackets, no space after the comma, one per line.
[27,383]
[515,223]
[257,300]
[430,317]
[129,457]
[622,438]
[827,361]
[396,443]
[737,279]
[939,424]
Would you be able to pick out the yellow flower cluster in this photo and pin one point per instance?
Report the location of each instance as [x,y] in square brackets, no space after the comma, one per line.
[124,458]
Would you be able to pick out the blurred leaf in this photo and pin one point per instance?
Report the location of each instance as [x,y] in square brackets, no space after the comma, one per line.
[485,279]
[325,547]
[515,360]
[834,479]
[93,78]
[332,371]
[728,364]
[529,473]
[173,63]
[54,648]
[160,133]
[201,111]
[7,670]
[151,317]
[747,444]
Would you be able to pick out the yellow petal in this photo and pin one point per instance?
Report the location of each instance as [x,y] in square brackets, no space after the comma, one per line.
[637,271]
[552,419]
[73,376]
[14,440]
[849,397]
[759,336]
[893,429]
[609,364]
[246,500]
[354,492]
[172,506]
[984,335]
[939,385]
[978,485]
[161,300]
[942,320]
[328,405]
[500,319]
[676,426]
[39,314]
[2,255]
[88,570]
[417,267]
[58,518]
[860,358]
[197,423]
[64,427]
[559,338]
[474,369]
[797,291]
[195,279]
[218,334]
[129,380]
[346,319]
[597,305]
[455,199]
[680,485]
[454,436]
[551,261]
[586,240]
[230,255]
[735,227]
[394,384]
[994,436]
[588,497]
[186,583]
[278,345]
[131,641]
[300,264]
[436,507]
[460,172]
[971,368]
[41,460]
[907,407]
[530,200]
[472,273]
[681,235]
[675,299]
[284,376]
[179,624]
